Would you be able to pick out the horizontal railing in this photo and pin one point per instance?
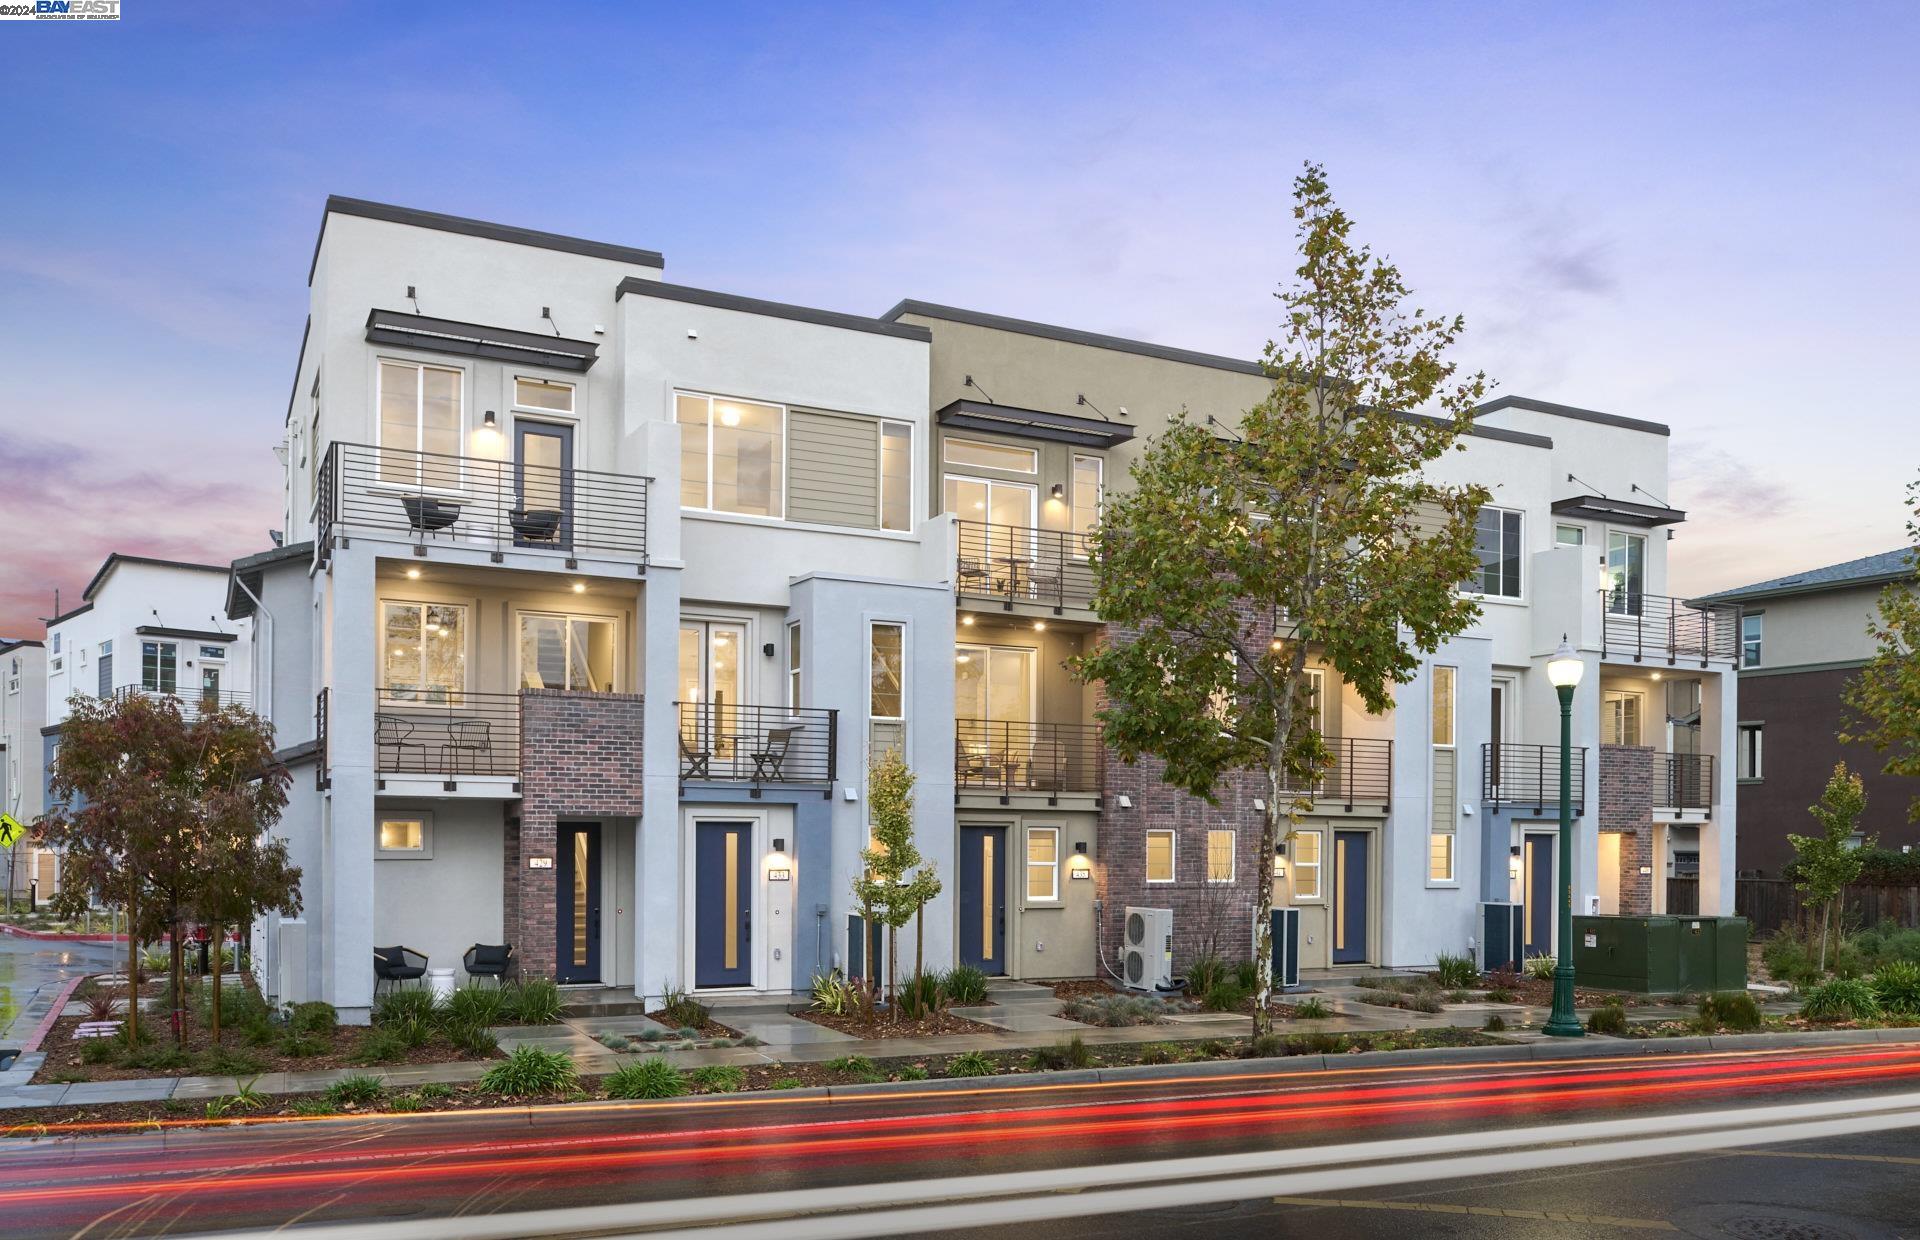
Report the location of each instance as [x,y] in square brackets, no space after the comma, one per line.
[1642,626]
[1361,776]
[193,702]
[1018,564]
[1514,774]
[1005,757]
[321,772]
[758,744]
[1686,781]
[430,731]
[433,497]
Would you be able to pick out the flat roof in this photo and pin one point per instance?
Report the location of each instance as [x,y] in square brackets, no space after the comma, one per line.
[771,309]
[1072,335]
[1570,411]
[339,205]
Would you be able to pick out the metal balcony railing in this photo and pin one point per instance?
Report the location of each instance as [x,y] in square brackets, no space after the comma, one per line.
[1018,564]
[1644,626]
[321,775]
[434,498]
[1361,775]
[192,702]
[1686,781]
[1005,757]
[758,744]
[1514,775]
[430,731]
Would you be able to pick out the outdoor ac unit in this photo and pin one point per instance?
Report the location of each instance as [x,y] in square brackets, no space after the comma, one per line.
[1146,956]
[1501,926]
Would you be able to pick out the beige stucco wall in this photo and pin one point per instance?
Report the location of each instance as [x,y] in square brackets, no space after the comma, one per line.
[1828,627]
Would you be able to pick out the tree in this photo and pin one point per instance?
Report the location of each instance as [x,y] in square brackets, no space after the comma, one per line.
[1883,698]
[1827,862]
[1312,530]
[897,882]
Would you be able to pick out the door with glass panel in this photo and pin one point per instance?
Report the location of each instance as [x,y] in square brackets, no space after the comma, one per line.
[1626,573]
[983,898]
[577,889]
[993,707]
[711,687]
[722,904]
[997,539]
[542,512]
[567,652]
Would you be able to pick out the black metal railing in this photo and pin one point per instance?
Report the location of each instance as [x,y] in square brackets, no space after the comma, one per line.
[1644,626]
[1017,564]
[321,775]
[758,744]
[192,702]
[1361,776]
[1513,774]
[1005,757]
[1686,781]
[436,498]
[431,731]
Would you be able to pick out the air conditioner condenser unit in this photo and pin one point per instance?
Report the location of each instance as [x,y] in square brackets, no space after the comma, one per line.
[1146,953]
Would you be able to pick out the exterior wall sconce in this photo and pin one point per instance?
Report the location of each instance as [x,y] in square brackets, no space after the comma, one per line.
[1260,805]
[767,649]
[1279,867]
[1057,491]
[780,844]
[1126,802]
[1080,846]
[490,422]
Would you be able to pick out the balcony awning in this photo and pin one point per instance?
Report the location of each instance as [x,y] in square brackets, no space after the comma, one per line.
[979,415]
[1618,511]
[502,344]
[185,635]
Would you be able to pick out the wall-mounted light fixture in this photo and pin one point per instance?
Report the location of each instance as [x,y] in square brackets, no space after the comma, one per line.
[1080,846]
[490,421]
[1279,867]
[1126,802]
[1057,491]
[767,649]
[1260,805]
[779,844]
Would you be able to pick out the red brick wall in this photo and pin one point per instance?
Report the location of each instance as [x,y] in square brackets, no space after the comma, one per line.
[580,757]
[1626,808]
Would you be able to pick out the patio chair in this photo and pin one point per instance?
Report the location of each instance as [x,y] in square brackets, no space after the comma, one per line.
[427,515]
[535,525]
[975,766]
[695,762]
[396,966]
[391,732]
[472,737]
[488,960]
[972,572]
[769,757]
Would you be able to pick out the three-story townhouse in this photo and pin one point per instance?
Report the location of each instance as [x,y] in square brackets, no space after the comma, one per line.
[23,712]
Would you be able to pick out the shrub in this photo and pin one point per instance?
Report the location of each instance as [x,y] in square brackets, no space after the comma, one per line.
[239,1005]
[356,1091]
[1847,998]
[1459,996]
[646,1078]
[1311,1009]
[530,1070]
[1610,1019]
[920,996]
[686,1033]
[718,1078]
[1897,986]
[1729,1009]
[100,1004]
[435,1090]
[1496,1023]
[1225,995]
[381,1044]
[613,1041]
[1246,975]
[1158,1052]
[99,1050]
[160,1057]
[472,1039]
[1541,967]
[1312,1044]
[653,1033]
[535,1001]
[1205,973]
[225,1061]
[1116,1011]
[1267,1046]
[676,1007]
[965,986]
[912,1072]
[1072,1053]
[1788,960]
[832,994]
[404,1103]
[315,1016]
[1455,972]
[787,1082]
[259,1032]
[312,1107]
[1884,946]
[1499,996]
[477,1005]
[852,1065]
[970,1063]
[1410,1001]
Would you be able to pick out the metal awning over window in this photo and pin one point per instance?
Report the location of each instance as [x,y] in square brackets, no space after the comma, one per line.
[1617,511]
[503,344]
[978,415]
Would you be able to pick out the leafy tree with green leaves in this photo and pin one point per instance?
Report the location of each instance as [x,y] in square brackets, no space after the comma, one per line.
[1827,862]
[1883,698]
[1311,531]
[896,882]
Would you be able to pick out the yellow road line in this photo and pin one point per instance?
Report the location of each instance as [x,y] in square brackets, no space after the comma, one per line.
[1435,1207]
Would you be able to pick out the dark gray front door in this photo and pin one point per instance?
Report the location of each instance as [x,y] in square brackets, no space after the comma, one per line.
[1538,938]
[722,904]
[983,898]
[577,889]
[1350,896]
[542,513]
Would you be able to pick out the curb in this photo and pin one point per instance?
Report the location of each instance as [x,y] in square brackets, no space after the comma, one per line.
[53,1014]
[57,936]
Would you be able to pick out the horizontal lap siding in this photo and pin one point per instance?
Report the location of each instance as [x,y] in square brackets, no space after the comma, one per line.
[833,470]
[1445,789]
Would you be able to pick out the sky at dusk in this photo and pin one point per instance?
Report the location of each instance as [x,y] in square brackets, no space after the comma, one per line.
[1701,215]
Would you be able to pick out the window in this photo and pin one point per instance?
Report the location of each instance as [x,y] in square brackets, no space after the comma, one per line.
[1306,865]
[423,651]
[543,395]
[1747,757]
[731,455]
[1570,535]
[104,666]
[566,652]
[406,837]
[312,461]
[1496,537]
[997,503]
[1159,856]
[1220,856]
[1089,486]
[212,652]
[1750,628]
[886,687]
[56,643]
[896,476]
[1619,718]
[990,456]
[159,667]
[1043,863]
[794,698]
[1443,715]
[419,412]
[1440,857]
[1626,572]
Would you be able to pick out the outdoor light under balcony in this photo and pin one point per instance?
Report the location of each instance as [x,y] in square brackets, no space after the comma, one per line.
[1058,491]
[490,422]
[1566,667]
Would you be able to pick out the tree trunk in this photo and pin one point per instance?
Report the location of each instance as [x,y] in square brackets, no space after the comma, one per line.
[178,963]
[1263,901]
[919,941]
[1826,927]
[214,962]
[133,975]
[893,971]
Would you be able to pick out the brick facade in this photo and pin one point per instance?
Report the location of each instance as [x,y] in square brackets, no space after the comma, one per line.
[1626,809]
[580,757]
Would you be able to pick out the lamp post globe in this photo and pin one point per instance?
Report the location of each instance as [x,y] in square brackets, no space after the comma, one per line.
[1564,670]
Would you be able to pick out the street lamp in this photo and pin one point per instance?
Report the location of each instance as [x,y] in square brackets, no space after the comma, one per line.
[1564,670]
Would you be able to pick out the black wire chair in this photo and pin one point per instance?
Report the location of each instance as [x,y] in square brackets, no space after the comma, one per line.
[396,966]
[489,960]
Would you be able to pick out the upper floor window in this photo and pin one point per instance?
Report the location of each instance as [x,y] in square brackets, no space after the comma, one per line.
[896,476]
[541,395]
[1626,572]
[424,650]
[1747,754]
[56,643]
[1089,483]
[732,455]
[159,667]
[793,666]
[566,652]
[1443,690]
[1496,537]
[210,652]
[887,680]
[1750,639]
[1570,535]
[420,411]
[982,455]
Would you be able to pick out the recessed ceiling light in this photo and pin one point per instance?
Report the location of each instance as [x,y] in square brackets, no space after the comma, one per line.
[413,574]
[1039,626]
[579,587]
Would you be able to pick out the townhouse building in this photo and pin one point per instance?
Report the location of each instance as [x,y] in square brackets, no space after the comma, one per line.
[1803,636]
[23,712]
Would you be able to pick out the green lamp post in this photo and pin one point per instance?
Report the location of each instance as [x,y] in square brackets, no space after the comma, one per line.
[1564,670]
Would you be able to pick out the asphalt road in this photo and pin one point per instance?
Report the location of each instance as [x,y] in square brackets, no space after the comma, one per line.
[1642,1145]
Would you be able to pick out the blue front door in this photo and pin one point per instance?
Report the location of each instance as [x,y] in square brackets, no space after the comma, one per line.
[1350,897]
[577,888]
[722,904]
[983,898]
[1539,889]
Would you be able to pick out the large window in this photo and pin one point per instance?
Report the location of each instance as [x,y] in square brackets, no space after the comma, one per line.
[1443,712]
[886,687]
[896,476]
[1747,756]
[1626,572]
[566,652]
[1043,863]
[419,412]
[1496,537]
[997,503]
[731,455]
[1159,856]
[983,455]
[1306,865]
[1089,483]
[1220,856]
[1750,630]
[159,667]
[1619,717]
[423,651]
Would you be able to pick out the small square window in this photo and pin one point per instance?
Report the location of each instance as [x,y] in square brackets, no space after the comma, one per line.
[405,836]
[1159,856]
[1440,857]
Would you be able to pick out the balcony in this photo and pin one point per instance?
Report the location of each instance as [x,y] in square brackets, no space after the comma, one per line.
[1684,782]
[433,732]
[1016,564]
[434,499]
[1642,626]
[1514,776]
[192,703]
[1360,779]
[758,745]
[1005,758]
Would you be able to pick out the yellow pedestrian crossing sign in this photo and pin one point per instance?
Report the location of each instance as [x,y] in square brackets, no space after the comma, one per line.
[10,830]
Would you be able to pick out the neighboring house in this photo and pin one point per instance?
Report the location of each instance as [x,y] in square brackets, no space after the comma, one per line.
[23,712]
[1802,639]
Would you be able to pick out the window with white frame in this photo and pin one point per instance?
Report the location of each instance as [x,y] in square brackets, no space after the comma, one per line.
[1089,490]
[896,476]
[1497,541]
[1159,856]
[1747,752]
[1620,717]
[1440,857]
[213,652]
[405,836]
[1220,844]
[159,667]
[886,687]
[420,412]
[1306,865]
[542,395]
[423,651]
[1043,863]
[1751,627]
[982,455]
[1443,706]
[1570,535]
[794,699]
[566,652]
[732,454]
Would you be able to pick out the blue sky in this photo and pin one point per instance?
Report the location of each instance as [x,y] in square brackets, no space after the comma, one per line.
[1697,214]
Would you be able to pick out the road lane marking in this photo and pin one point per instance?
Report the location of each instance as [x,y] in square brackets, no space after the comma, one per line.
[1438,1207]
[1896,1159]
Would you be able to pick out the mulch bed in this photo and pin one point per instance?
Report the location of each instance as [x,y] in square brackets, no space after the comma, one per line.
[882,1026]
[709,1028]
[1538,992]
[1083,988]
[64,1064]
[1281,1005]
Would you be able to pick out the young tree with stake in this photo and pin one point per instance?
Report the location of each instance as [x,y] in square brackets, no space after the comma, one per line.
[897,882]
[1827,862]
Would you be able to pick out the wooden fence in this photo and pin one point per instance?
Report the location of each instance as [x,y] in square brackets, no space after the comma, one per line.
[1771,903]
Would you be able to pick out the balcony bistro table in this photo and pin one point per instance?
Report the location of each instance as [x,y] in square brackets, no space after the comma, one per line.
[1014,563]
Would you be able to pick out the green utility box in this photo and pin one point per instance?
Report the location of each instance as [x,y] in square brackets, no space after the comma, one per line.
[1660,955]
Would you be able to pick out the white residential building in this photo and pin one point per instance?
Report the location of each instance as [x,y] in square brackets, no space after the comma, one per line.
[23,712]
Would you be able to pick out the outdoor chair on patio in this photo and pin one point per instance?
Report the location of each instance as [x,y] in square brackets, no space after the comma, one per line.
[973,573]
[767,759]
[471,737]
[427,515]
[535,525]
[392,734]
[397,966]
[489,960]
[695,763]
